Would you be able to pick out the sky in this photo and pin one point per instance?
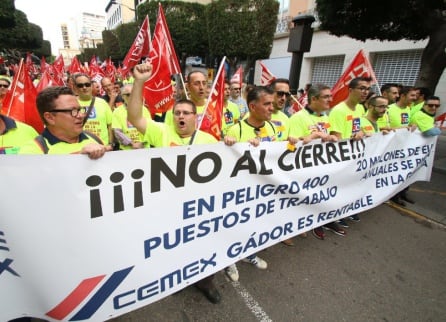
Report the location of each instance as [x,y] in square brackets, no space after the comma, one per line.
[49,14]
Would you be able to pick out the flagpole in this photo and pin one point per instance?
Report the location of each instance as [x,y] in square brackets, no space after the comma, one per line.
[210,95]
[15,85]
[184,86]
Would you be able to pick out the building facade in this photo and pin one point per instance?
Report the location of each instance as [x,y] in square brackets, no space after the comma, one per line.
[392,61]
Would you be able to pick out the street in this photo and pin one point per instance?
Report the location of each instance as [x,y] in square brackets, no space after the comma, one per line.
[389,267]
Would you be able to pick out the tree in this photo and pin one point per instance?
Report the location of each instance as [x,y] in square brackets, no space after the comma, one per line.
[187,26]
[242,29]
[7,8]
[111,45]
[393,20]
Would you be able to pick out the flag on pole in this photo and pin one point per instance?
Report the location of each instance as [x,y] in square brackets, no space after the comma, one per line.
[174,65]
[59,65]
[139,49]
[211,120]
[359,67]
[20,101]
[266,77]
[43,65]
[32,69]
[75,66]
[238,76]
[158,92]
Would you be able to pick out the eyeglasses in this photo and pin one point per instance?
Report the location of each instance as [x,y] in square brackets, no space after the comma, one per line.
[82,85]
[74,111]
[433,105]
[185,113]
[363,88]
[4,85]
[281,93]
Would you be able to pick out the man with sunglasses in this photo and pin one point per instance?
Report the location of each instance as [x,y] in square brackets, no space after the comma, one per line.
[100,116]
[281,88]
[424,119]
[63,118]
[312,123]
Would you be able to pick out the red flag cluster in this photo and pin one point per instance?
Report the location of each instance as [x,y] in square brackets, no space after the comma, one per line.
[20,101]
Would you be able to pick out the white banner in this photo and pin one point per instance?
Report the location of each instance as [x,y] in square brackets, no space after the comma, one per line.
[91,240]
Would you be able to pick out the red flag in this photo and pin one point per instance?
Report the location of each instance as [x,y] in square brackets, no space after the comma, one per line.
[266,77]
[59,65]
[43,65]
[30,65]
[96,73]
[140,47]
[20,101]
[238,76]
[158,93]
[440,121]
[359,67]
[75,66]
[211,120]
[174,66]
[45,81]
[110,69]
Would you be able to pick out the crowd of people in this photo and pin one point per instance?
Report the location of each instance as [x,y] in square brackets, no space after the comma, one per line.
[78,120]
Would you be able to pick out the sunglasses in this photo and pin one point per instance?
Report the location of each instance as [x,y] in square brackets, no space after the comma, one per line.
[433,105]
[4,85]
[82,85]
[281,93]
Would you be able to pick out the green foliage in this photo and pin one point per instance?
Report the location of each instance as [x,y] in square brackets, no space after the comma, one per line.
[381,19]
[243,29]
[126,34]
[111,45]
[186,22]
[7,19]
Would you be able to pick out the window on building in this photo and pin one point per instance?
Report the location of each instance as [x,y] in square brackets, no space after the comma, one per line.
[400,67]
[327,70]
[283,5]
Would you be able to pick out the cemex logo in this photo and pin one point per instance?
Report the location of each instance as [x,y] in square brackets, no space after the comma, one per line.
[83,290]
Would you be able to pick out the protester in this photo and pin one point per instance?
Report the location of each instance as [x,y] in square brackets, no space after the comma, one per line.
[14,134]
[257,127]
[99,113]
[281,88]
[422,94]
[376,108]
[345,118]
[183,132]
[95,88]
[312,123]
[111,95]
[231,112]
[425,118]
[125,133]
[4,87]
[399,112]
[63,118]
[236,98]
[391,92]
